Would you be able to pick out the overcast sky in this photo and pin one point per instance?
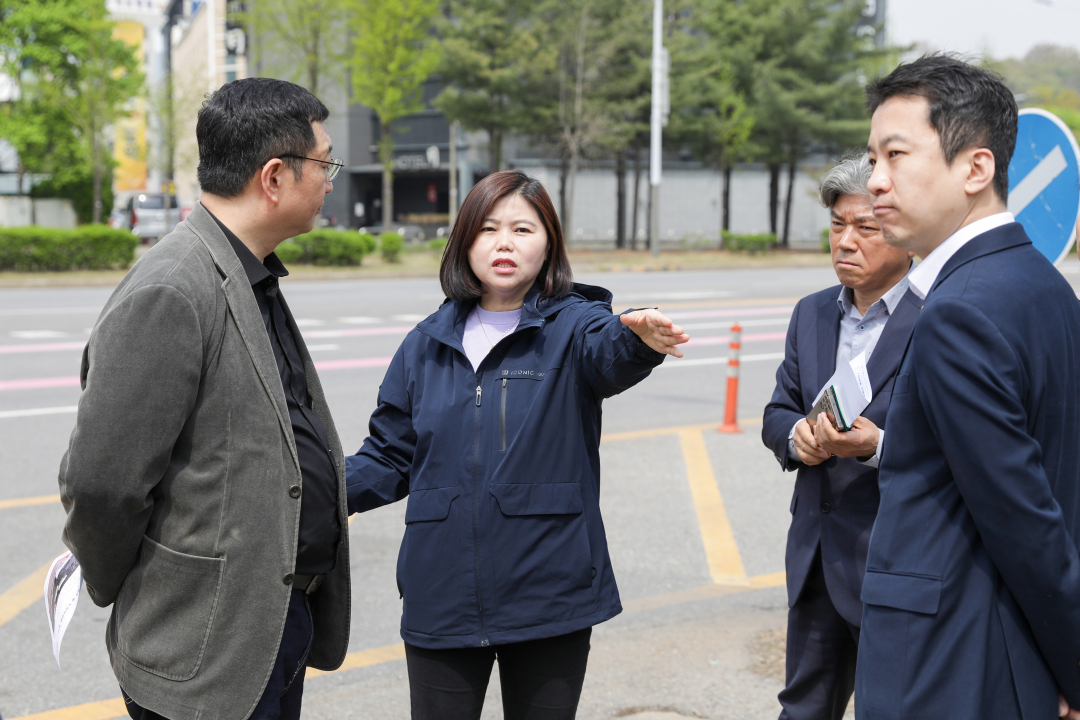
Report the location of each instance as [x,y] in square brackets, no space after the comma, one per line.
[1007,28]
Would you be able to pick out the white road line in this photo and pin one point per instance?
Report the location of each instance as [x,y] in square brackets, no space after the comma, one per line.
[326,346]
[32,412]
[37,334]
[49,311]
[729,323]
[1037,180]
[675,363]
[359,320]
[309,322]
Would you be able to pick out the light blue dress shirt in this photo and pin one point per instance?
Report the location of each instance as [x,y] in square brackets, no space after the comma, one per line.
[860,333]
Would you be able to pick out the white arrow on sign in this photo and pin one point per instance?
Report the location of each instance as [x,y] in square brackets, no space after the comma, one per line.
[1037,180]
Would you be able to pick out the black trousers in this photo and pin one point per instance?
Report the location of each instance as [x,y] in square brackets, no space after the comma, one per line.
[822,649]
[285,689]
[540,679]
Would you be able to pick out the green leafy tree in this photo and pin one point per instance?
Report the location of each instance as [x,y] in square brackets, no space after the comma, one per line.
[65,57]
[492,62]
[802,67]
[393,54]
[710,112]
[311,31]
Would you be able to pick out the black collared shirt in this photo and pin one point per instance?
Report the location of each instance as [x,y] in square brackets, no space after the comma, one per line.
[320,527]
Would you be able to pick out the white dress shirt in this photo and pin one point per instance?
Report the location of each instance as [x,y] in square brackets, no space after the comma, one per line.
[926,273]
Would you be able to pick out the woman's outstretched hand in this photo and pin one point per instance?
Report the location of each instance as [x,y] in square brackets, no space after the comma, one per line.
[656,331]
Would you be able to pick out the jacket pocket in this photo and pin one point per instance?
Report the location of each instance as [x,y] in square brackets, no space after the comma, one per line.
[430,505]
[900,385]
[541,554]
[516,397]
[434,574]
[914,593]
[165,610]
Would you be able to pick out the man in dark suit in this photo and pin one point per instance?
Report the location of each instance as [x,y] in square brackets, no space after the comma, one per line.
[836,494]
[972,587]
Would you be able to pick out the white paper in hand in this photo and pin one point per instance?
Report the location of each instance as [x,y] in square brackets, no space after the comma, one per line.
[63,584]
[862,377]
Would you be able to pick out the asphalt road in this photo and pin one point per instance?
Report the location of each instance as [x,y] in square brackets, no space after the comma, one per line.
[696,519]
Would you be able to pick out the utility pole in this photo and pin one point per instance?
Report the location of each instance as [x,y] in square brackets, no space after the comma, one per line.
[660,111]
[453,172]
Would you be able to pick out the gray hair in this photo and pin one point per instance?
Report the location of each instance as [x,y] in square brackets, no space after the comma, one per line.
[850,177]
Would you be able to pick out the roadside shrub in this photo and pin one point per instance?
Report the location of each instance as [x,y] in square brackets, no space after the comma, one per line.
[327,247]
[391,243]
[88,247]
[289,252]
[437,245]
[826,247]
[752,244]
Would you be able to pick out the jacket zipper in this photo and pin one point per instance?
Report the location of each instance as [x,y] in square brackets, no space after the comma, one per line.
[502,417]
[476,509]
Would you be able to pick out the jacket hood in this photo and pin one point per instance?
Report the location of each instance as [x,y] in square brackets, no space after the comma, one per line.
[448,322]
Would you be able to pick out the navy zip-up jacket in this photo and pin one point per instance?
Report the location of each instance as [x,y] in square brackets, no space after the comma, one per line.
[503,536]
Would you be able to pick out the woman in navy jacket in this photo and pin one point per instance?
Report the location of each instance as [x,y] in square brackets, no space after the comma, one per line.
[489,420]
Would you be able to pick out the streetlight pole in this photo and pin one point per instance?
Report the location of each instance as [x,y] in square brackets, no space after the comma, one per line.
[656,124]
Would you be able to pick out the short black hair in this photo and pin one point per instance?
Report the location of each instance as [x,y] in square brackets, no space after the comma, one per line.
[970,106]
[246,123]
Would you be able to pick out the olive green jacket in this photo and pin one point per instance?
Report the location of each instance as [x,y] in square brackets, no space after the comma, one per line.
[176,484]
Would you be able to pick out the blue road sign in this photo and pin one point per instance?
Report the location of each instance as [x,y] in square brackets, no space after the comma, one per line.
[1044,182]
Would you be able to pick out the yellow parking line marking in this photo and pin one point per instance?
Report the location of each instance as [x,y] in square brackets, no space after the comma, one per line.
[651,432]
[104,710]
[23,595]
[365,658]
[767,581]
[26,502]
[112,709]
[721,552]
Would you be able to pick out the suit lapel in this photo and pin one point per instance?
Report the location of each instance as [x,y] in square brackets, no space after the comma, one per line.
[991,241]
[894,338]
[828,337]
[245,312]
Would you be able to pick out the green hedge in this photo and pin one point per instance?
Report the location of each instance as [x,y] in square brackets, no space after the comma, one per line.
[391,244]
[748,243]
[826,244]
[89,247]
[327,247]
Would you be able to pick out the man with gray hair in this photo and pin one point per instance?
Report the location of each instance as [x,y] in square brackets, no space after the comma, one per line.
[836,489]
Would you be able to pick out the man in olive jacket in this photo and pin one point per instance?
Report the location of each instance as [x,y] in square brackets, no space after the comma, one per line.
[204,480]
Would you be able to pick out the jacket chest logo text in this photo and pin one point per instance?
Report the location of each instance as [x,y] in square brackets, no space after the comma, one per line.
[535,374]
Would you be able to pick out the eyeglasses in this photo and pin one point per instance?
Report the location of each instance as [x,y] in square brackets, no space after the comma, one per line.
[333,165]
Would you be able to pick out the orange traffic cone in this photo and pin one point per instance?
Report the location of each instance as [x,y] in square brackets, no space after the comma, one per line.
[731,423]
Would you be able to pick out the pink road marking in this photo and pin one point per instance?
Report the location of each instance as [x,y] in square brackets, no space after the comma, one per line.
[735,313]
[353,363]
[725,339]
[41,347]
[40,383]
[357,332]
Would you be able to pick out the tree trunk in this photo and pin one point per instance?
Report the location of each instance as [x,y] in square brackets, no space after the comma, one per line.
[637,199]
[774,196]
[564,169]
[787,202]
[97,168]
[386,151]
[21,171]
[725,219]
[620,199]
[495,141]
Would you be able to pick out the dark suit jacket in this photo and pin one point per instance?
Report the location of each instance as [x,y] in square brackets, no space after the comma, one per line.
[834,503]
[972,585]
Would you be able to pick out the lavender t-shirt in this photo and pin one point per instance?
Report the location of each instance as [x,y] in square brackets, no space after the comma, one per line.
[484,330]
